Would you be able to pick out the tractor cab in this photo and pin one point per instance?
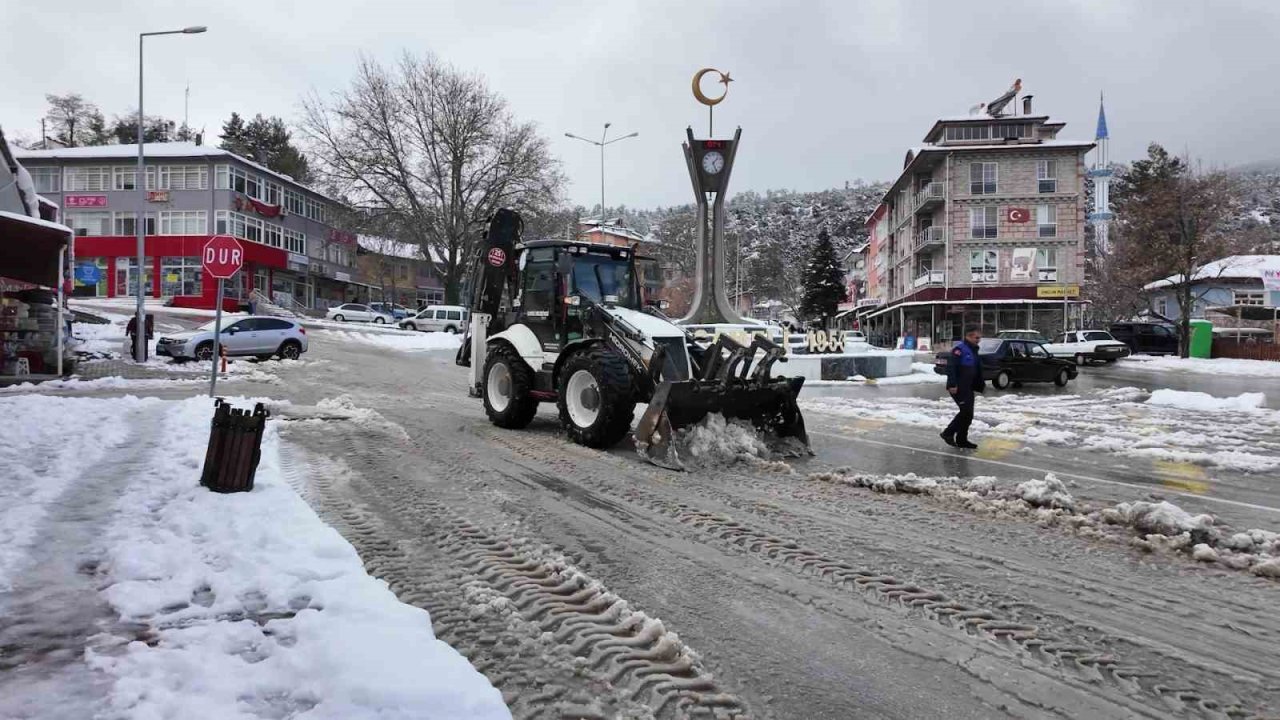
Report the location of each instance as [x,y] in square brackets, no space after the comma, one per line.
[558,280]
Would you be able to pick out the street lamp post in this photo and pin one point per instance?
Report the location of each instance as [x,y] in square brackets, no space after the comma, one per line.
[140,182]
[601,143]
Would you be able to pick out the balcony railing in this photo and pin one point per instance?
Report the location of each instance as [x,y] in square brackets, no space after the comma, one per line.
[929,196]
[935,277]
[929,237]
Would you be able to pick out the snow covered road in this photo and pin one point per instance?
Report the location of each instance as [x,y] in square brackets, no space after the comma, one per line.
[591,584]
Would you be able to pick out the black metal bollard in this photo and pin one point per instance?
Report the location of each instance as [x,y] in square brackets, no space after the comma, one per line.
[235,447]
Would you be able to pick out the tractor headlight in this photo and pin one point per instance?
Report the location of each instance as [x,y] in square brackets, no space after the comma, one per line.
[572,300]
[611,299]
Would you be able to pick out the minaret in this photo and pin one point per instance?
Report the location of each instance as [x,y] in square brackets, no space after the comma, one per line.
[1101,174]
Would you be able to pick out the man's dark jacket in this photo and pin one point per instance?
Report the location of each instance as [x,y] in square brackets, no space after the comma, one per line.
[964,370]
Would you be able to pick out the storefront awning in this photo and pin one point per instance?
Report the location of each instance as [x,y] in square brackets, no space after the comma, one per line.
[29,248]
[1248,312]
[1001,301]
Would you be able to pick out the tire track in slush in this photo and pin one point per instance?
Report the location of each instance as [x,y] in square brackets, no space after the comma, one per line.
[555,641]
[1073,661]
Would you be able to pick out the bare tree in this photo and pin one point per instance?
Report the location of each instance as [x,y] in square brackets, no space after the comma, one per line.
[433,146]
[1176,223]
[74,121]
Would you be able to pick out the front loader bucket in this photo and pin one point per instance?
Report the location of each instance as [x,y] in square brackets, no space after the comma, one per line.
[770,405]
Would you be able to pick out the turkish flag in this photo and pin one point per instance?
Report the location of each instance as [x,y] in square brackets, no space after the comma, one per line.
[1017,215]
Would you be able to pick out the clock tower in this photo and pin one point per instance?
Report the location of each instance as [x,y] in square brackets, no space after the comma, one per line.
[710,162]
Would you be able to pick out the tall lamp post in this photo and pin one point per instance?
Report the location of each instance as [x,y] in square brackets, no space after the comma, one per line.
[601,143]
[140,182]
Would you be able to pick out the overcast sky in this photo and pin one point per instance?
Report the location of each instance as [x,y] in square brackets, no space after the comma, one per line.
[825,92]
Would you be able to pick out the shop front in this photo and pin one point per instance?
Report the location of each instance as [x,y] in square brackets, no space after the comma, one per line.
[944,320]
[107,266]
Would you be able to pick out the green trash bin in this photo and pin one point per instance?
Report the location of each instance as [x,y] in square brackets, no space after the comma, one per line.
[1201,338]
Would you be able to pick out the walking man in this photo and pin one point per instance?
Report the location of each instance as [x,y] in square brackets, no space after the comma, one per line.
[964,378]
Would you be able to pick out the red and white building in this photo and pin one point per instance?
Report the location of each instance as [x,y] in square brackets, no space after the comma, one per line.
[192,192]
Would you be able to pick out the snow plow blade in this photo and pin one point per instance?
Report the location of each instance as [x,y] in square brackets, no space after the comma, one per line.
[770,405]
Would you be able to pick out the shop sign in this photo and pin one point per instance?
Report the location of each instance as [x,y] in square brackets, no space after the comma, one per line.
[297,259]
[342,277]
[1271,280]
[158,196]
[345,238]
[88,274]
[84,201]
[1058,291]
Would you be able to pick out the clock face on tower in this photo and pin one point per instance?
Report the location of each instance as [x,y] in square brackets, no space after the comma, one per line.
[712,162]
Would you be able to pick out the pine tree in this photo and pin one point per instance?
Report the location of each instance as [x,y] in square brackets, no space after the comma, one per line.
[266,141]
[823,281]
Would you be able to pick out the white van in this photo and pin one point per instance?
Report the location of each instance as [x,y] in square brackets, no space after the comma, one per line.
[438,318]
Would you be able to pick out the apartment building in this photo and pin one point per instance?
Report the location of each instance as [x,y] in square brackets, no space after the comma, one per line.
[985,226]
[398,272]
[293,251]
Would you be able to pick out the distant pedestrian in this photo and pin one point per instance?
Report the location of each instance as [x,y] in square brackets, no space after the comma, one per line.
[964,379]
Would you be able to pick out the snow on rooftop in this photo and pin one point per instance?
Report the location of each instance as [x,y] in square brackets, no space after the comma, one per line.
[1234,267]
[150,150]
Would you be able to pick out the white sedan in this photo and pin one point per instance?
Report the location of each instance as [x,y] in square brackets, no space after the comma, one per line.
[1085,346]
[357,312]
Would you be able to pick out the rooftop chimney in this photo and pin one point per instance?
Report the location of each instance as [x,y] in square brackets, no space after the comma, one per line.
[1026,104]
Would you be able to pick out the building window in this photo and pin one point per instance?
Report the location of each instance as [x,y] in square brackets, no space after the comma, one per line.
[1249,297]
[183,222]
[181,276]
[983,266]
[982,178]
[246,183]
[125,223]
[295,242]
[1047,220]
[315,210]
[183,177]
[1047,264]
[272,194]
[1047,176]
[222,177]
[87,179]
[969,132]
[89,223]
[46,179]
[1011,130]
[273,235]
[982,222]
[1162,307]
[125,178]
[293,203]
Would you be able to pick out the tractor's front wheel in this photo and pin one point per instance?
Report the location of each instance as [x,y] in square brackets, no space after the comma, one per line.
[506,386]
[596,403]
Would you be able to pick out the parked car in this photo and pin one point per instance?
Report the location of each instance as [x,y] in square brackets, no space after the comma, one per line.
[1085,346]
[259,336]
[1032,335]
[356,312]
[438,318]
[1013,362]
[1146,337]
[397,312]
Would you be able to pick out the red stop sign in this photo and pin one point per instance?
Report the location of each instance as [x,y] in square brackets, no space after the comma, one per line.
[223,256]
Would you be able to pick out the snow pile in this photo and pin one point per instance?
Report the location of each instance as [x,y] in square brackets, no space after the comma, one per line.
[717,438]
[921,373]
[1149,526]
[252,605]
[1217,366]
[1049,492]
[405,341]
[50,444]
[1204,402]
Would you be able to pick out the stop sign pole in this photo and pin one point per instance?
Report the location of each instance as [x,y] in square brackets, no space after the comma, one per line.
[223,257]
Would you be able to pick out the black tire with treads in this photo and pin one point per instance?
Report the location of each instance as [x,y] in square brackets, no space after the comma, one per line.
[520,410]
[617,401]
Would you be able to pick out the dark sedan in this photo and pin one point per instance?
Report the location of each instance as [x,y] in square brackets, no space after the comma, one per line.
[1008,362]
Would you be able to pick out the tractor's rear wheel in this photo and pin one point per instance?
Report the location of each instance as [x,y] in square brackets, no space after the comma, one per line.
[596,403]
[506,386]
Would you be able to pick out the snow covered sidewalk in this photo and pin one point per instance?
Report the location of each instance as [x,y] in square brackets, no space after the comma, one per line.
[405,341]
[130,591]
[1216,366]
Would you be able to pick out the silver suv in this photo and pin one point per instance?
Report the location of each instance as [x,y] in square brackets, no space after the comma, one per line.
[257,336]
